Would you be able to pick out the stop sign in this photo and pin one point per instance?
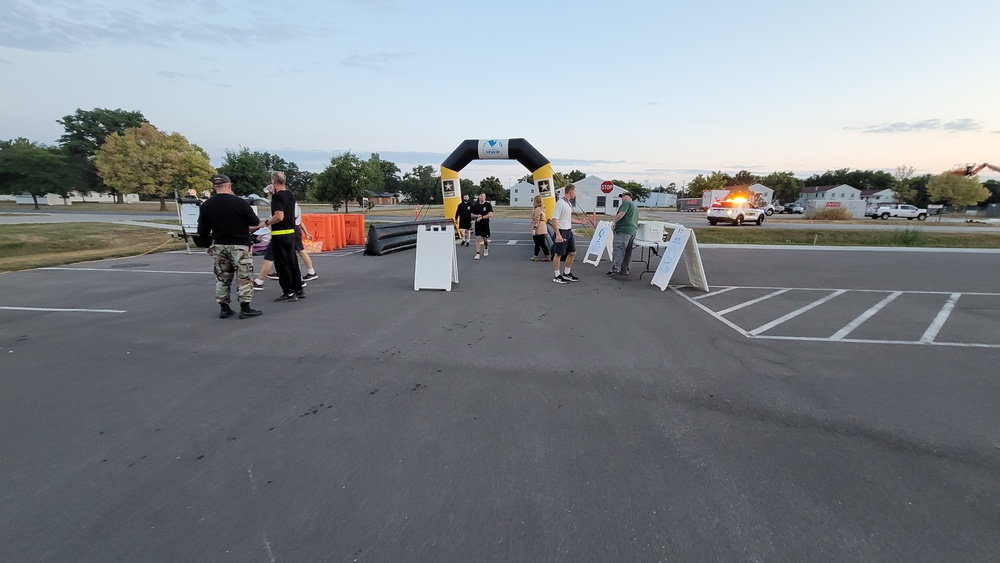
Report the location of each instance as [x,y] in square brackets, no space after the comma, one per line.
[607,186]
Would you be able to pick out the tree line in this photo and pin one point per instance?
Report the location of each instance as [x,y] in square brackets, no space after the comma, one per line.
[945,188]
[118,152]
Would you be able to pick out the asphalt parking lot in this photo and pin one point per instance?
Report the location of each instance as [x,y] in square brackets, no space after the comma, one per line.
[509,419]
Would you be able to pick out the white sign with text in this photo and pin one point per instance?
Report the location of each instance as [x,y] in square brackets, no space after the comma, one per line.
[682,243]
[602,241]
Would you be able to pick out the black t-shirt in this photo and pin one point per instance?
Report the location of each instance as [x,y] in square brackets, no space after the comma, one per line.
[283,200]
[463,211]
[226,219]
[481,209]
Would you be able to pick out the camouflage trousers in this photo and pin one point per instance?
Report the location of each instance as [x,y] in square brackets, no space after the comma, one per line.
[233,260]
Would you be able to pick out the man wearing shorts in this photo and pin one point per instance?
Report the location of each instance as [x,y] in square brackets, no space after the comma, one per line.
[565,243]
[482,210]
[463,214]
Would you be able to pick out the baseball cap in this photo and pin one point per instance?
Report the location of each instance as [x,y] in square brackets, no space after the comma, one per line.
[220,179]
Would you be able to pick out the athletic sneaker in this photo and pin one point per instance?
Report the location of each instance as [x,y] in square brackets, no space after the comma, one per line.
[257,284]
[287,298]
[486,251]
[559,279]
[310,277]
[476,257]
[272,276]
[570,277]
[611,273]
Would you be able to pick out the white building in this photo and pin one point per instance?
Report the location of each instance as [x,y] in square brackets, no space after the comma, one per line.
[522,194]
[590,197]
[77,197]
[766,193]
[843,192]
[878,197]
[658,199]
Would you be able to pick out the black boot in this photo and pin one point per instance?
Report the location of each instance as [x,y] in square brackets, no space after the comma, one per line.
[246,312]
[225,311]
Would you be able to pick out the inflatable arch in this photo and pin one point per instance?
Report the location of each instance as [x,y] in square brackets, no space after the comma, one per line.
[505,149]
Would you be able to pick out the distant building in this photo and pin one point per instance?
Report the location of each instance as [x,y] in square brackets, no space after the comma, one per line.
[878,196]
[828,193]
[658,199]
[590,198]
[522,194]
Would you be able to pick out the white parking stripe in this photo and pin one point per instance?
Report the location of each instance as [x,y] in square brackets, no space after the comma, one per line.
[127,270]
[795,313]
[940,319]
[752,301]
[55,310]
[863,341]
[714,293]
[724,320]
[840,334]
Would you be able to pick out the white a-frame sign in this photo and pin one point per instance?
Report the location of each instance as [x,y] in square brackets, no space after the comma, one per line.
[682,242]
[603,241]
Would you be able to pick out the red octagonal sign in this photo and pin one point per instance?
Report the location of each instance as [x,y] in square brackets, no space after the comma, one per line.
[607,186]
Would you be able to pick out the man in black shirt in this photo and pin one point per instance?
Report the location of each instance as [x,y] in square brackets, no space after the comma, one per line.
[463,214]
[482,210]
[282,223]
[225,221]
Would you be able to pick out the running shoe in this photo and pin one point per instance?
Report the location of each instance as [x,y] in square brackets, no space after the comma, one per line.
[571,277]
[559,279]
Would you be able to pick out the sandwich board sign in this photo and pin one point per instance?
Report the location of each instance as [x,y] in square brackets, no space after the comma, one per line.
[682,243]
[437,260]
[601,242]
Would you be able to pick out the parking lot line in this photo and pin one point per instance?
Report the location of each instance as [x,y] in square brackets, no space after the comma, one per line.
[840,334]
[795,313]
[752,301]
[57,310]
[940,319]
[874,341]
[723,290]
[127,270]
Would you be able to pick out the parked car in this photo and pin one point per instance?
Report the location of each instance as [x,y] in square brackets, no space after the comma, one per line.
[735,212]
[777,208]
[901,210]
[793,208]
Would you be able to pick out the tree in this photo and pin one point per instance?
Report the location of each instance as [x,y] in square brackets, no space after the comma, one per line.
[28,167]
[901,188]
[297,181]
[786,186]
[85,133]
[152,163]
[671,188]
[860,179]
[527,178]
[994,187]
[743,178]
[372,177]
[919,187]
[340,182]
[956,190]
[468,187]
[247,171]
[494,190]
[575,176]
[701,184]
[390,176]
[638,191]
[421,185]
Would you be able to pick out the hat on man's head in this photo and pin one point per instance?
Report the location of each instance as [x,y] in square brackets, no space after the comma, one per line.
[623,194]
[220,179]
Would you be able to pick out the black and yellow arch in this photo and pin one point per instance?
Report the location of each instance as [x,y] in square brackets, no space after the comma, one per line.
[503,149]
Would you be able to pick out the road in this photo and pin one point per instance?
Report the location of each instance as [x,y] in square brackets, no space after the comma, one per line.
[511,419]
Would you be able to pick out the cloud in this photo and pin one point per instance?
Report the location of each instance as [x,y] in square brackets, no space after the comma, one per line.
[371,61]
[5,61]
[964,124]
[56,26]
[189,76]
[652,103]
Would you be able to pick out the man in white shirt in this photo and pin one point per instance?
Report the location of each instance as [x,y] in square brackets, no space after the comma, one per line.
[565,243]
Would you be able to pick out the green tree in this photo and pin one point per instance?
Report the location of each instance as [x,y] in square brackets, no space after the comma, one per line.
[638,191]
[297,181]
[860,179]
[85,132]
[153,163]
[527,178]
[575,176]
[671,188]
[994,187]
[469,187]
[956,190]
[247,171]
[494,190]
[390,176]
[28,167]
[786,186]
[372,177]
[743,178]
[341,182]
[421,185]
[901,188]
[700,184]
[919,186]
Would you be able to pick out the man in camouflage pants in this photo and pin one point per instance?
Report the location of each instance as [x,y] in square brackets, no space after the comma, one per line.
[225,222]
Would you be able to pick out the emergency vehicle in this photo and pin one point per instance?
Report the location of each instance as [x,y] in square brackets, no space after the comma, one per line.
[736,210]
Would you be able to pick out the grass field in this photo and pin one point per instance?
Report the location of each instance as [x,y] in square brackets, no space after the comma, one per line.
[822,237]
[39,245]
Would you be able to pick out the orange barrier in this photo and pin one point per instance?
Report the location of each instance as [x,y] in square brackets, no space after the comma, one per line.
[335,230]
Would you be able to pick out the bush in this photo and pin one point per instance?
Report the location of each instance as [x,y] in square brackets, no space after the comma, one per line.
[830,214]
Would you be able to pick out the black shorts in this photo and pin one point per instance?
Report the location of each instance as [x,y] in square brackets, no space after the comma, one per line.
[464,223]
[567,245]
[298,239]
[269,254]
[483,229]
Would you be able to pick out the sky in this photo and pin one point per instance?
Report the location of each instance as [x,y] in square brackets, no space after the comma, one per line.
[652,91]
